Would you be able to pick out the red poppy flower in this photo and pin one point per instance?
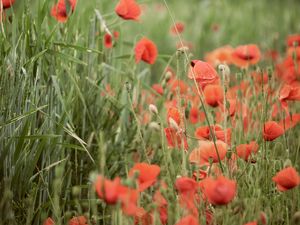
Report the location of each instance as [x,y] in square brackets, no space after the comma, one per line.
[204,133]
[214,95]
[48,221]
[128,10]
[219,191]
[246,55]
[272,130]
[203,72]
[177,85]
[207,151]
[177,27]
[290,121]
[290,92]
[194,115]
[147,174]
[59,11]
[293,39]
[108,190]
[146,51]
[158,88]
[108,39]
[79,220]
[188,220]
[7,3]
[245,150]
[219,55]
[174,113]
[129,198]
[251,223]
[175,138]
[286,179]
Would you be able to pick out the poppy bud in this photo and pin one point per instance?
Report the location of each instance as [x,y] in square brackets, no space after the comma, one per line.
[153,109]
[173,124]
[154,126]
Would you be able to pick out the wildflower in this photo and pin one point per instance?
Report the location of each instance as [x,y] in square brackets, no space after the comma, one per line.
[188,220]
[251,223]
[245,150]
[108,39]
[79,220]
[214,95]
[7,3]
[49,221]
[175,138]
[293,40]
[174,113]
[203,72]
[207,151]
[286,179]
[146,51]
[246,55]
[158,89]
[177,27]
[272,130]
[147,174]
[108,190]
[220,55]
[59,11]
[219,191]
[128,9]
[204,133]
[194,115]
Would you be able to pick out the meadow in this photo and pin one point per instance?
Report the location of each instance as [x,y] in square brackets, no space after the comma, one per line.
[160,112]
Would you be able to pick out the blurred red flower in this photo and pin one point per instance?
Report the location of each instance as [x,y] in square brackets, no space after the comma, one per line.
[79,220]
[272,130]
[146,51]
[128,10]
[286,179]
[108,39]
[7,3]
[246,55]
[147,174]
[59,11]
[219,191]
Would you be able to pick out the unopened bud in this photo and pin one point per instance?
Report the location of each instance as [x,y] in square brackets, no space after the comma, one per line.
[173,124]
[153,109]
[154,126]
[224,69]
[168,76]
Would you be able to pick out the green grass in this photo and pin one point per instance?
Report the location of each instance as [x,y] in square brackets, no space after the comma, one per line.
[57,129]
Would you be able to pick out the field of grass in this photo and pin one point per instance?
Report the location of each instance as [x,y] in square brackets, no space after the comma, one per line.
[74,112]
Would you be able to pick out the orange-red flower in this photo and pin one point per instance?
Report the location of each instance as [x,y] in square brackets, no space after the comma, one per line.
[146,51]
[59,11]
[204,133]
[108,190]
[158,89]
[7,3]
[251,223]
[194,115]
[79,220]
[174,113]
[48,221]
[188,220]
[108,39]
[175,138]
[214,95]
[177,27]
[147,174]
[219,55]
[203,72]
[219,191]
[245,150]
[246,55]
[293,39]
[272,130]
[128,10]
[207,151]
[286,179]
